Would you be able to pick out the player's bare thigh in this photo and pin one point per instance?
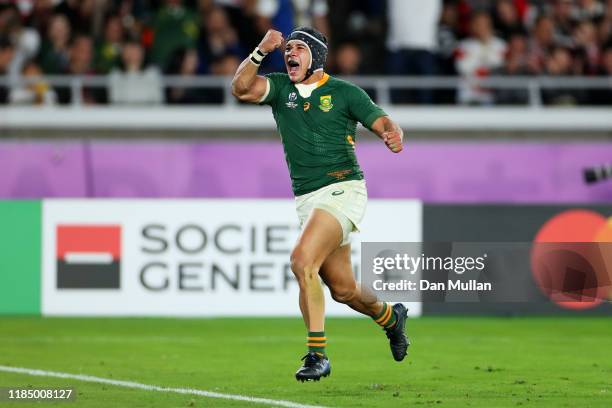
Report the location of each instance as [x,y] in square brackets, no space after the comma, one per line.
[321,235]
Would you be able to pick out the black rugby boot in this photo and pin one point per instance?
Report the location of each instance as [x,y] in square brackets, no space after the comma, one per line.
[315,366]
[397,337]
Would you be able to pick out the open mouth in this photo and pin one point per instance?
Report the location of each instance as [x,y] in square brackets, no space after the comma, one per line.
[294,66]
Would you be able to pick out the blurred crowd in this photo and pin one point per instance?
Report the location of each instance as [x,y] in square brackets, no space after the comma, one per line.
[136,42]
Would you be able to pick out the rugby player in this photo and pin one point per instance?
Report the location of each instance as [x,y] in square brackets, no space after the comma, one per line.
[317,117]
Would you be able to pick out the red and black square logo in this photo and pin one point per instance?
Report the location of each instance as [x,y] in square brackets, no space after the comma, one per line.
[88,256]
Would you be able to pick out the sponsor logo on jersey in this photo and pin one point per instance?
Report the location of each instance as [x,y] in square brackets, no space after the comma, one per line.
[326,103]
[292,98]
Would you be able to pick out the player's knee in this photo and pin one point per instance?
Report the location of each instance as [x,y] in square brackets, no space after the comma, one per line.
[344,294]
[303,265]
[299,262]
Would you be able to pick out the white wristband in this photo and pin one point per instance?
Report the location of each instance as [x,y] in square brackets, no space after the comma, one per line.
[257,56]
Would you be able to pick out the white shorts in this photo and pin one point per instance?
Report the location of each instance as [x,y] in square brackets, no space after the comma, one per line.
[346,201]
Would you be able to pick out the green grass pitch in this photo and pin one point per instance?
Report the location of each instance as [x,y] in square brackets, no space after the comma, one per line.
[453,362]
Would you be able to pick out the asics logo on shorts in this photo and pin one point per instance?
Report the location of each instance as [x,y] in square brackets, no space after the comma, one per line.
[338,192]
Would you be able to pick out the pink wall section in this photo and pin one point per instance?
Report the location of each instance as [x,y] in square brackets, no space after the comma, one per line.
[434,172]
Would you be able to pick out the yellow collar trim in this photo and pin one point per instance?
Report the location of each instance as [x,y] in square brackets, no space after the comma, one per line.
[307,90]
[323,80]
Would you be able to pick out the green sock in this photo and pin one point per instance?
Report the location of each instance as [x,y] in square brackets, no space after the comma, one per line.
[316,341]
[386,318]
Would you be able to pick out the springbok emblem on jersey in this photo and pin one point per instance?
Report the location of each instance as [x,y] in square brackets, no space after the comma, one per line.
[326,103]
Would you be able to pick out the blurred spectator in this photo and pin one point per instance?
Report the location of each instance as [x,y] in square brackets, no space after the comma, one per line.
[605,27]
[559,63]
[448,34]
[81,63]
[276,14]
[81,56]
[184,62]
[26,40]
[226,65]
[6,56]
[517,57]
[218,39]
[55,53]
[25,7]
[241,14]
[589,10]
[507,19]
[362,22]
[34,90]
[39,16]
[542,41]
[476,57]
[132,83]
[604,96]
[558,33]
[284,15]
[412,42]
[85,16]
[347,60]
[108,50]
[562,17]
[134,9]
[585,40]
[516,64]
[466,10]
[133,14]
[312,13]
[175,27]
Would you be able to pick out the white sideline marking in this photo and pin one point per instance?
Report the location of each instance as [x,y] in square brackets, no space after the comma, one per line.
[146,387]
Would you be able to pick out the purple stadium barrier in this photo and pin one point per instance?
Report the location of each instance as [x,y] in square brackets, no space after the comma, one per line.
[474,172]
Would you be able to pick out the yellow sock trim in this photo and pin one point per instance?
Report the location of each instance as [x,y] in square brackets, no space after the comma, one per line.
[385,317]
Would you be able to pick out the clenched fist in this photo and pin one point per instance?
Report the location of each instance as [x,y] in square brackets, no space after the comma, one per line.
[271,41]
[394,140]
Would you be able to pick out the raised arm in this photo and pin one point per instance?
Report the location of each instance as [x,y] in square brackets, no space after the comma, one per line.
[247,86]
[390,133]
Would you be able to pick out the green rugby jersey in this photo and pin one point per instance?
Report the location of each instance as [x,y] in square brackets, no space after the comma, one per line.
[318,132]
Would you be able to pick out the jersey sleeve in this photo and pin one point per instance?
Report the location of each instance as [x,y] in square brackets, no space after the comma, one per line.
[361,106]
[275,81]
